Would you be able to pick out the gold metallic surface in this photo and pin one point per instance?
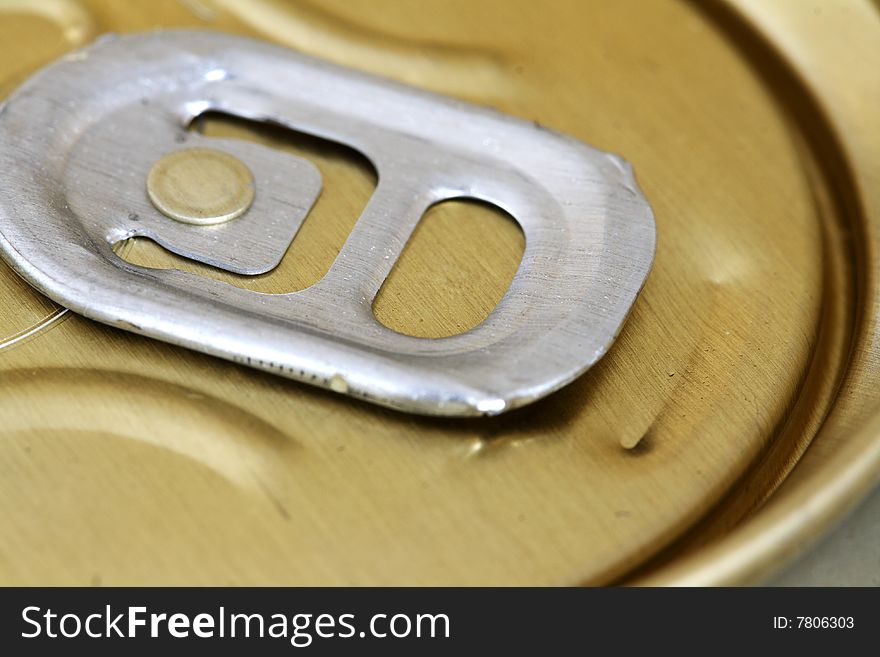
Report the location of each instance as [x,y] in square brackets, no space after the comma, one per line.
[832,84]
[200,186]
[740,391]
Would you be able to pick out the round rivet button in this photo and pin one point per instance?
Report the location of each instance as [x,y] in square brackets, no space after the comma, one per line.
[201,186]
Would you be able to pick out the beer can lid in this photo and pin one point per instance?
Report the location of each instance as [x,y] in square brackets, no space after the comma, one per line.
[732,421]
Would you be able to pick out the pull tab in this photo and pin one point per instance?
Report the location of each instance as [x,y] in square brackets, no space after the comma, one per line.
[91,154]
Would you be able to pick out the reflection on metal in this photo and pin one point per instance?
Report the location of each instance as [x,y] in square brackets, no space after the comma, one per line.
[311,28]
[75,22]
[589,231]
[31,331]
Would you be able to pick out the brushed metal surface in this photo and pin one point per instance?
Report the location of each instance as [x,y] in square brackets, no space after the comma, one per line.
[115,108]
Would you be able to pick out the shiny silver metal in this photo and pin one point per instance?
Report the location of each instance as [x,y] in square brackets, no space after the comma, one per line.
[77,141]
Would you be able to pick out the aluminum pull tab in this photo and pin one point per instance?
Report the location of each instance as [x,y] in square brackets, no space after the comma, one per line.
[80,140]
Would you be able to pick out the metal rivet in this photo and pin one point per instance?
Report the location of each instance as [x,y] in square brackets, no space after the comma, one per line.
[201,186]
